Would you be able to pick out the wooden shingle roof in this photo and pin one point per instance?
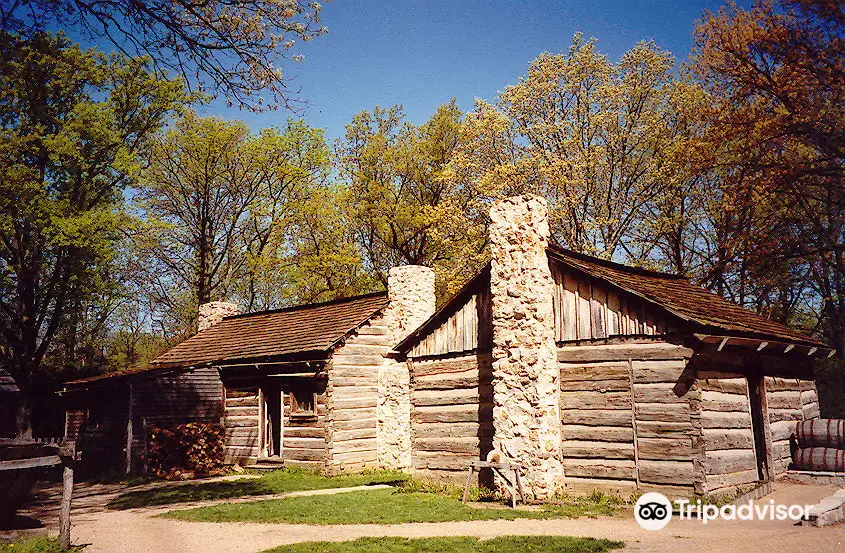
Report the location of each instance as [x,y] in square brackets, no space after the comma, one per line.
[681,298]
[7,383]
[268,334]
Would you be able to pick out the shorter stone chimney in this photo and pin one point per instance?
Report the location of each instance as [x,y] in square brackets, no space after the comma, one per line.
[410,291]
[213,312]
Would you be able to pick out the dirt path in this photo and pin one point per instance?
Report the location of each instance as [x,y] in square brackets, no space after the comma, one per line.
[135,531]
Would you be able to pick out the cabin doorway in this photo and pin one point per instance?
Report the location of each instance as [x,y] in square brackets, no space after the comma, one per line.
[272,420]
[757,403]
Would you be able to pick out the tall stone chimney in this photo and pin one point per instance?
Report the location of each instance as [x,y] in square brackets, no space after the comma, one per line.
[213,312]
[526,377]
[410,291]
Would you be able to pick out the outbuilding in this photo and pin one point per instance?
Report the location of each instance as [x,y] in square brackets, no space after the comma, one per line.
[589,374]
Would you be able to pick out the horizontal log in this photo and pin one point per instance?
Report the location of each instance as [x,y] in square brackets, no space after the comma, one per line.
[811,411]
[595,400]
[726,385]
[354,424]
[304,443]
[662,429]
[352,371]
[239,441]
[786,414]
[348,446]
[454,445]
[362,384]
[729,460]
[444,430]
[782,430]
[343,402]
[452,413]
[579,372]
[667,412]
[600,468]
[439,460]
[727,438]
[809,396]
[355,347]
[370,339]
[732,419]
[722,401]
[806,385]
[291,454]
[355,457]
[243,411]
[724,482]
[646,372]
[241,402]
[582,486]
[597,433]
[341,359]
[622,352]
[597,450]
[618,385]
[342,435]
[596,417]
[237,422]
[358,413]
[456,396]
[371,330]
[659,392]
[775,384]
[666,472]
[465,363]
[316,432]
[784,400]
[465,379]
[665,449]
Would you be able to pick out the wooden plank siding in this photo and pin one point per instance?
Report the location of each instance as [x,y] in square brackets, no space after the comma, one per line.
[451,415]
[587,309]
[467,328]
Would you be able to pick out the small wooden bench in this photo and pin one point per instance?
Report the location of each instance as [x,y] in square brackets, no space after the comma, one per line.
[513,483]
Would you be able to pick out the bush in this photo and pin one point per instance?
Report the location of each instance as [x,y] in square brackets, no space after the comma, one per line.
[194,447]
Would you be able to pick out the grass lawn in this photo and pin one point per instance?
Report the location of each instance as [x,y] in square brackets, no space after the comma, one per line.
[36,545]
[507,544]
[280,481]
[383,506]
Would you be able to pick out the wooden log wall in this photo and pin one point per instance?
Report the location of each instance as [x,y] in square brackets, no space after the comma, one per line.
[727,441]
[790,401]
[353,398]
[240,421]
[451,415]
[586,308]
[623,426]
[304,442]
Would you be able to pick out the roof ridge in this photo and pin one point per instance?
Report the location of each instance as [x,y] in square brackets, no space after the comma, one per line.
[561,251]
[308,305]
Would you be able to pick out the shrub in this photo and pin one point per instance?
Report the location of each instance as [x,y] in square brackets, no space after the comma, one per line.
[192,447]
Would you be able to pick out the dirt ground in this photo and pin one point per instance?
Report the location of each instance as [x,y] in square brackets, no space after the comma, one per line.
[135,531]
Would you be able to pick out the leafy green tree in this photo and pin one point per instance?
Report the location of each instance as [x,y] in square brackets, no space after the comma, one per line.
[216,199]
[73,125]
[405,206]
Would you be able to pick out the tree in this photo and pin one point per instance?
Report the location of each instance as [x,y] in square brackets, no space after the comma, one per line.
[778,75]
[592,136]
[216,45]
[215,198]
[73,125]
[405,205]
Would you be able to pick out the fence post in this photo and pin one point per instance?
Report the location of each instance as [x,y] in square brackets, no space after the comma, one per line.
[67,453]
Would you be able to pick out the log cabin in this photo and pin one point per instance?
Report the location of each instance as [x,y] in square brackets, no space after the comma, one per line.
[589,374]
[293,387]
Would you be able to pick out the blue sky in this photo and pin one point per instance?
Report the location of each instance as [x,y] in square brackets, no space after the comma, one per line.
[423,53]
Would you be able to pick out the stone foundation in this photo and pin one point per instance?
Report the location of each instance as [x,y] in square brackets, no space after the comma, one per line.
[213,312]
[410,289]
[526,388]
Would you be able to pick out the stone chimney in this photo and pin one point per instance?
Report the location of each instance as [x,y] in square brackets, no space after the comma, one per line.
[526,377]
[213,312]
[410,291]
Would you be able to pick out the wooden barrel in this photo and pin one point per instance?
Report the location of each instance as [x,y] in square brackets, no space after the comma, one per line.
[821,433]
[820,459]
